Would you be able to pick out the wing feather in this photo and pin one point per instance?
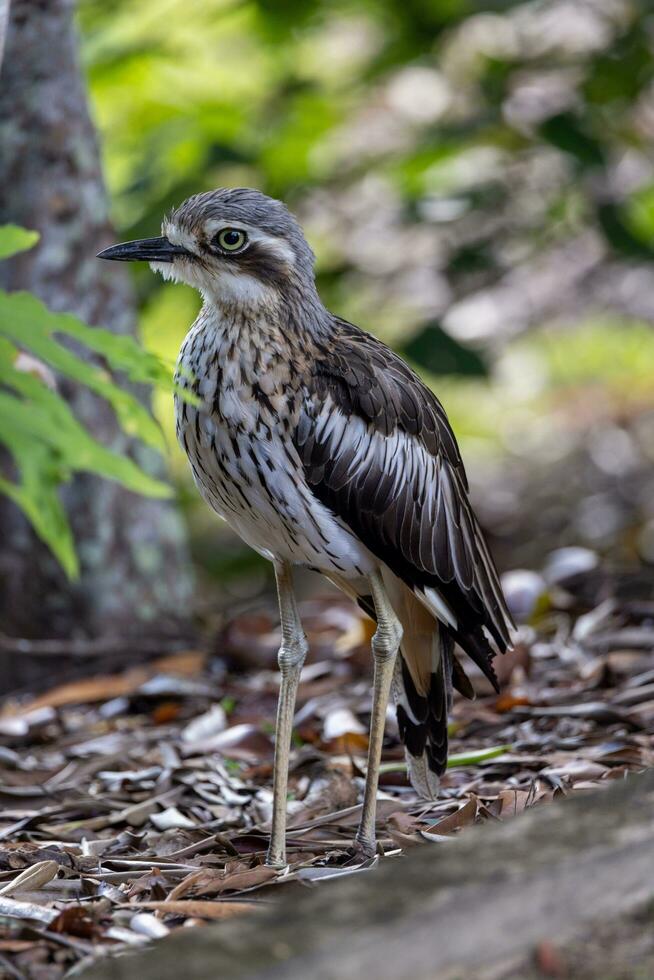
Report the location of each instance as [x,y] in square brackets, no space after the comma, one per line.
[378,450]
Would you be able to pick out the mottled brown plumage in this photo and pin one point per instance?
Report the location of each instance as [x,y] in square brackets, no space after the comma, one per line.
[427,543]
[323,448]
[416,519]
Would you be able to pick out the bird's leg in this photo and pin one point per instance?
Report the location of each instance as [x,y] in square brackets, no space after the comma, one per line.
[385,645]
[290,658]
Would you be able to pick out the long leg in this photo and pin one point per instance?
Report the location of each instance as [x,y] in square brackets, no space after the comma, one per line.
[290,658]
[385,645]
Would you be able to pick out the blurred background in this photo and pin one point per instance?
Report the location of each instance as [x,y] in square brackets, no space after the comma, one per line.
[477,181]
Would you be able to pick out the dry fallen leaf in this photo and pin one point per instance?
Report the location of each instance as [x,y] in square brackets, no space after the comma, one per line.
[32,878]
[513,801]
[209,882]
[463,816]
[152,825]
[204,726]
[149,925]
[199,909]
[26,910]
[76,921]
[171,817]
[109,686]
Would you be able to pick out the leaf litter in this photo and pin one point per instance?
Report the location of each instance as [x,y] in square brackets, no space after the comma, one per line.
[138,803]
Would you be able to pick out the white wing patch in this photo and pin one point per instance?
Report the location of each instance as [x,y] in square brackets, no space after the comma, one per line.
[437,605]
[399,455]
[415,508]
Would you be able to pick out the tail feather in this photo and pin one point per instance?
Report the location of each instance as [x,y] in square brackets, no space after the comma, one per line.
[426,673]
[460,680]
[422,687]
[422,719]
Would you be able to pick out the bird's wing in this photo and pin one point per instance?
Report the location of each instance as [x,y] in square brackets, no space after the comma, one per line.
[377,449]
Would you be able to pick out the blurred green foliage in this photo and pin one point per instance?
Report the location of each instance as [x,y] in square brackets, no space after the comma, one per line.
[14,240]
[455,141]
[476,178]
[37,426]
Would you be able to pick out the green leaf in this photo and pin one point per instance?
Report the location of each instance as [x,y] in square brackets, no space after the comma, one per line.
[39,429]
[47,443]
[30,324]
[472,758]
[123,353]
[44,417]
[14,240]
[37,496]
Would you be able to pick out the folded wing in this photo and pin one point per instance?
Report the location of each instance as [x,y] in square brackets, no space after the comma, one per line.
[378,450]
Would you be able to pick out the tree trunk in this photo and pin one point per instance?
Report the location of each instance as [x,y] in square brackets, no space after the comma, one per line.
[135,577]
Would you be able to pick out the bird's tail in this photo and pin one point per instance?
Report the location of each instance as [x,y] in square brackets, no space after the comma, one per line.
[422,717]
[422,689]
[425,673]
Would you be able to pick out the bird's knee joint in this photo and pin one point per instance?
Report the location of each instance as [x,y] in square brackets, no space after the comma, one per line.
[386,641]
[292,654]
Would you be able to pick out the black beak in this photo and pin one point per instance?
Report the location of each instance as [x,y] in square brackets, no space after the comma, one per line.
[144,250]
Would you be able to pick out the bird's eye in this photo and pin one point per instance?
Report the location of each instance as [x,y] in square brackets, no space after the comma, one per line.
[231,239]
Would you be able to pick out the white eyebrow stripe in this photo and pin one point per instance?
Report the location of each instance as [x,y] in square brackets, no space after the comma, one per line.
[272,242]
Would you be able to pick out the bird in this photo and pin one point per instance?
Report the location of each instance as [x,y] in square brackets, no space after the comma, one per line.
[323,449]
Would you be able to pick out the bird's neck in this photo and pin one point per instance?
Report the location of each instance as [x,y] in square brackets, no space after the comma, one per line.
[292,319]
[243,363]
[250,345]
[251,336]
[247,305]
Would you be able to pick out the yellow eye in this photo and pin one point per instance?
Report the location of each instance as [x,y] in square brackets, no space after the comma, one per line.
[231,239]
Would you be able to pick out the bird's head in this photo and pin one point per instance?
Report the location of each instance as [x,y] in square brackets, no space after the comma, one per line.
[236,246]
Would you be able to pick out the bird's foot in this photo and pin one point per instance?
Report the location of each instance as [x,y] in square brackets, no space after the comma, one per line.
[276,860]
[364,847]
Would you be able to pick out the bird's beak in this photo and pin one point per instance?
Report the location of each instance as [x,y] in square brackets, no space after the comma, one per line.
[144,250]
